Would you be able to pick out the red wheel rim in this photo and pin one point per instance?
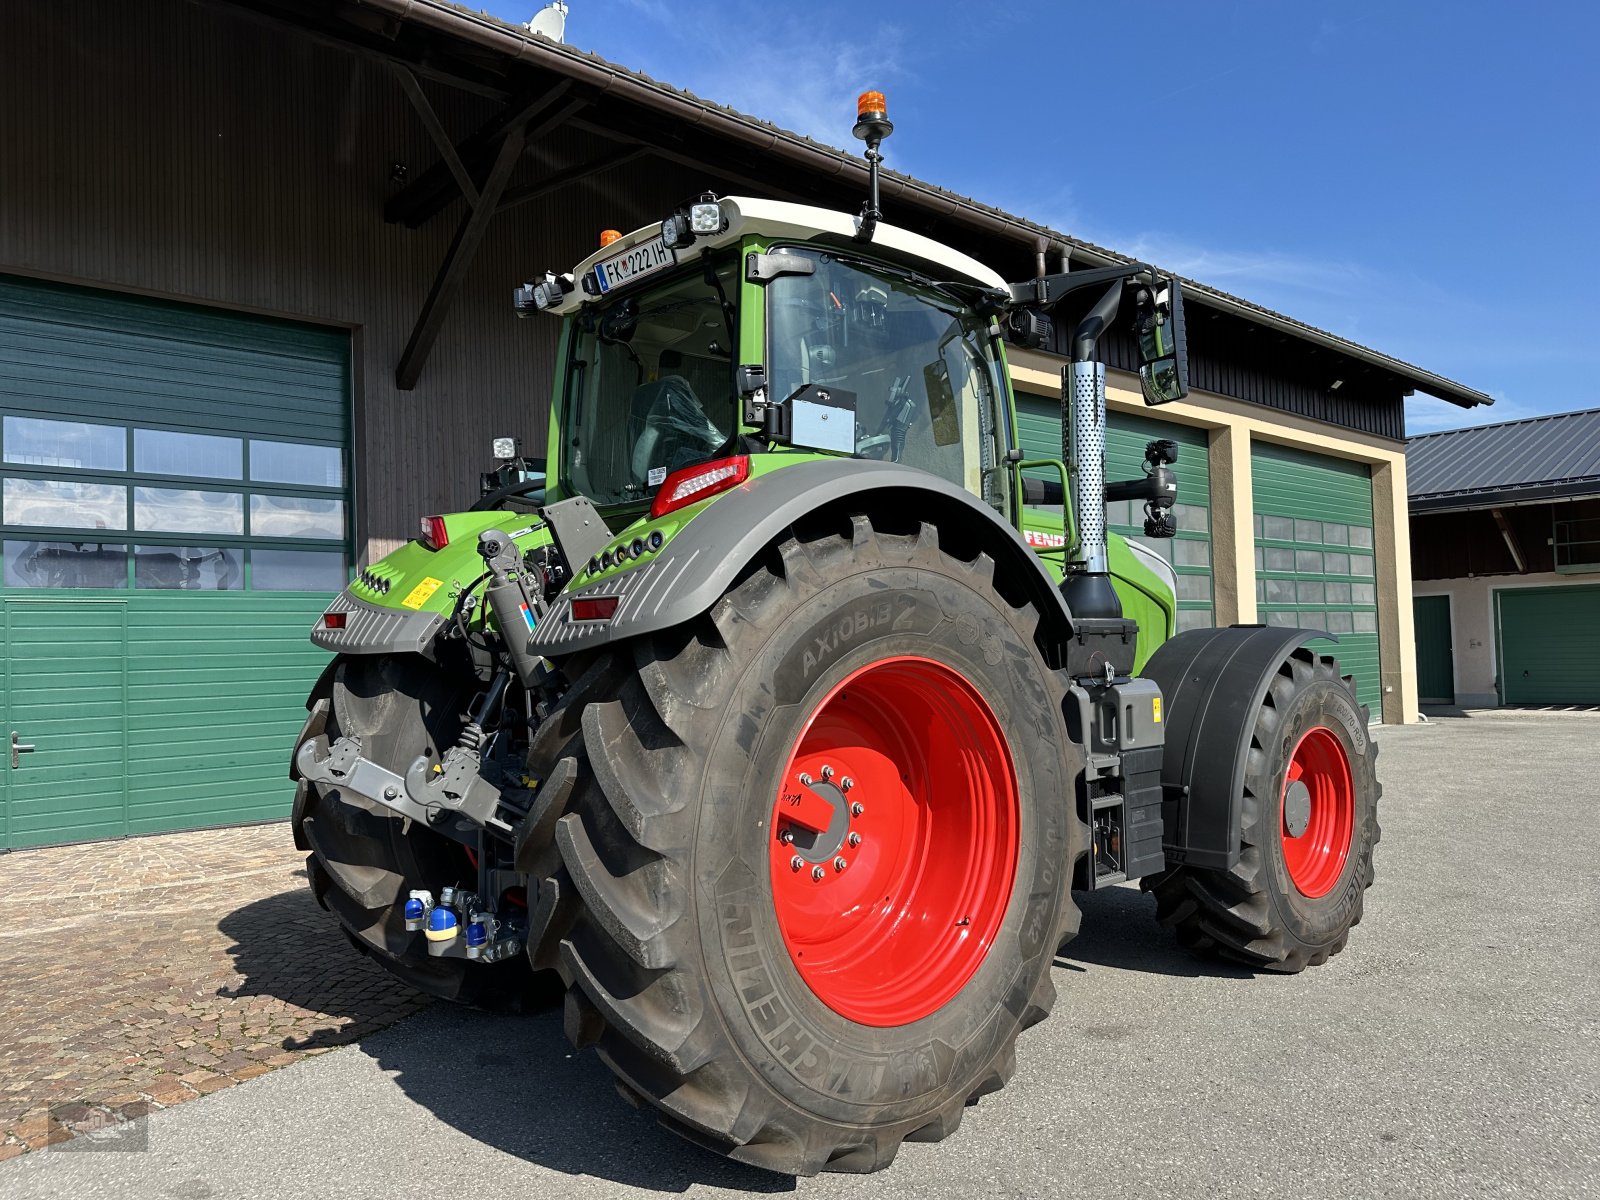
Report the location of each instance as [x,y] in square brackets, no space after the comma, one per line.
[893,867]
[1327,807]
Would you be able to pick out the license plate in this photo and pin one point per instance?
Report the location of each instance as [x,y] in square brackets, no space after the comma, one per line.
[633,263]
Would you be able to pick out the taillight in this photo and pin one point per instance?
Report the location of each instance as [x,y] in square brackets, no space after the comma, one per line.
[600,608]
[334,620]
[699,483]
[434,535]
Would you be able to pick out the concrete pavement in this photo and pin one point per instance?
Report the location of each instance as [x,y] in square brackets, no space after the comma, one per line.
[1453,1050]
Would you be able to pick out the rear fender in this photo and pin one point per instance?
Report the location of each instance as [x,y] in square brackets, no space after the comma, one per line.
[701,562]
[1213,682]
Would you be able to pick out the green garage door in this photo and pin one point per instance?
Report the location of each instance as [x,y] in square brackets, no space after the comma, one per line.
[1315,566]
[1039,431]
[1549,645]
[174,512]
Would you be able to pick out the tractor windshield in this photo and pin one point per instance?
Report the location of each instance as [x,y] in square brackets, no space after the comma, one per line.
[650,385]
[922,367]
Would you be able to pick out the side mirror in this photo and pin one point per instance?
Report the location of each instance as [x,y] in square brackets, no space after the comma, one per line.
[1163,348]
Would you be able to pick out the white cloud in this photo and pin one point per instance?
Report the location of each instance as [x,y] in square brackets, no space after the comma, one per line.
[769,61]
[1424,414]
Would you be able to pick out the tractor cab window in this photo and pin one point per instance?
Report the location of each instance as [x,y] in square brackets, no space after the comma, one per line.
[921,365]
[650,385]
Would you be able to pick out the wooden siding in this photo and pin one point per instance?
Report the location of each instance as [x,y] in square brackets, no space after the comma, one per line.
[184,151]
[189,151]
[1229,356]
[1454,545]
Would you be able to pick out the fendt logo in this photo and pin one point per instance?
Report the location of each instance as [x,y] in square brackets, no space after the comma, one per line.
[1047,541]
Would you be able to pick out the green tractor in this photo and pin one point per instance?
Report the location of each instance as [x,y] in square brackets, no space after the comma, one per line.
[778,720]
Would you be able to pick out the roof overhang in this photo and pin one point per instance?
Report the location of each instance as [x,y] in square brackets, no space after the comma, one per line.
[514,45]
[1508,497]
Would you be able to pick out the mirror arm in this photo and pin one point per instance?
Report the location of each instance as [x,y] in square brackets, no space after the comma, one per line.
[1098,319]
[1051,290]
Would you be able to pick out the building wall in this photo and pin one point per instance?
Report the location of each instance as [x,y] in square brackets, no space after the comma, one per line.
[183,151]
[1233,426]
[1472,627]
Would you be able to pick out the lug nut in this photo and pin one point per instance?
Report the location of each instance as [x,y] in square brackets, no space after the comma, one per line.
[855,839]
[816,872]
[796,863]
[857,809]
[805,779]
[839,864]
[786,837]
[846,784]
[827,772]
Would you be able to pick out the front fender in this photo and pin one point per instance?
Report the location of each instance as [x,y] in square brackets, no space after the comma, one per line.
[1213,682]
[701,562]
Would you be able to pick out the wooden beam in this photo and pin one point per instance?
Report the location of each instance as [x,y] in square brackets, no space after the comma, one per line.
[441,139]
[454,268]
[696,162]
[327,29]
[560,179]
[1511,541]
[430,192]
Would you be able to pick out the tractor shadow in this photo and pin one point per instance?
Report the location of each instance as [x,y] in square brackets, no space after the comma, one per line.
[513,1083]
[286,948]
[1119,931]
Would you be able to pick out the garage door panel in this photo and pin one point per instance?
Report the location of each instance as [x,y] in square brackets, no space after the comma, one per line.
[224,687]
[190,709]
[204,744]
[1549,644]
[194,799]
[1315,566]
[78,356]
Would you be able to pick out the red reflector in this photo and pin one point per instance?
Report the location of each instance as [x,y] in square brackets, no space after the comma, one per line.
[434,535]
[699,483]
[599,608]
[333,620]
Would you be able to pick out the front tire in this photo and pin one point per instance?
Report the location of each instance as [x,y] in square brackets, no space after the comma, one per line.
[362,865]
[1309,823]
[680,923]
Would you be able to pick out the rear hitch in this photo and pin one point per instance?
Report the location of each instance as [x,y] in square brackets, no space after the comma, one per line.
[463,925]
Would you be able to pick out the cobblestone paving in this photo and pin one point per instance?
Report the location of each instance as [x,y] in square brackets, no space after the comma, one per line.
[140,973]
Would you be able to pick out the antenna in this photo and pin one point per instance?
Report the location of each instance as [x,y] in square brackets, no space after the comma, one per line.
[872,126]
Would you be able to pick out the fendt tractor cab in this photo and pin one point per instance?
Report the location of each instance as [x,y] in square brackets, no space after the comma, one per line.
[777,718]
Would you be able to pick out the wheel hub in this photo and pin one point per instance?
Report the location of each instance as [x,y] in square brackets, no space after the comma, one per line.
[1296,807]
[1318,812]
[816,825]
[894,843]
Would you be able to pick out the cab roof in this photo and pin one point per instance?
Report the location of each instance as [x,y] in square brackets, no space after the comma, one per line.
[779,219]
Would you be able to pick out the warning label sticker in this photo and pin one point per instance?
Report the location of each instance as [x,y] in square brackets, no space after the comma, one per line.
[418,595]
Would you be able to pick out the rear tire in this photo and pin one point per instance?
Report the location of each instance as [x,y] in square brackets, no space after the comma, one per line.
[662,914]
[363,865]
[1306,859]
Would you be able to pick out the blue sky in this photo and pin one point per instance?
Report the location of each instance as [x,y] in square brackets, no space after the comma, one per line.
[1419,177]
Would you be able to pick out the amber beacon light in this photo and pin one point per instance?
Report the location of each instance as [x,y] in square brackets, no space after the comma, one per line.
[872,126]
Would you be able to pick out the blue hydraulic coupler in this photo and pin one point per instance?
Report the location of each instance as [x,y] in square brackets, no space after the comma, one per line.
[443,929]
[418,906]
